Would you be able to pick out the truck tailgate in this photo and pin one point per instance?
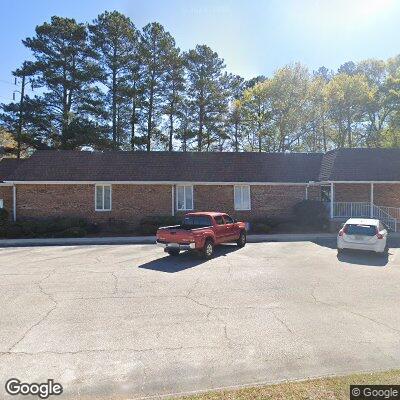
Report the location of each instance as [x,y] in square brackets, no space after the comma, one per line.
[175,235]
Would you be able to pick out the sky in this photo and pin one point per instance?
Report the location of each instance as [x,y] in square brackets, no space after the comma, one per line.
[253,37]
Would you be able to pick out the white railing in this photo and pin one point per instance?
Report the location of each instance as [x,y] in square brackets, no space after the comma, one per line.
[392,211]
[384,217]
[387,215]
[351,209]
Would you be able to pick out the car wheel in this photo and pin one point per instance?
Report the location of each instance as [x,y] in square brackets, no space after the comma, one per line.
[208,249]
[241,242]
[173,252]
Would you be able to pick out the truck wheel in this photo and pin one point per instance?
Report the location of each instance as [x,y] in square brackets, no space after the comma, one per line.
[173,252]
[208,249]
[241,242]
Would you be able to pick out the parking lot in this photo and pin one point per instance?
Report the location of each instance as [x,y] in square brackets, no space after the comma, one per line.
[128,321]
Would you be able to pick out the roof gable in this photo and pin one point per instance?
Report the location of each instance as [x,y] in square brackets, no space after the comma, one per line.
[361,165]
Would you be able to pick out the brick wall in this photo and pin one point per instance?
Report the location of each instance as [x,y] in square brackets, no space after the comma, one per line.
[353,192]
[384,194]
[387,194]
[271,200]
[129,202]
[132,202]
[7,196]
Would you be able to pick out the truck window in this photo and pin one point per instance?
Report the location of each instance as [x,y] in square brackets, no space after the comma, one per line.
[228,219]
[196,221]
[219,220]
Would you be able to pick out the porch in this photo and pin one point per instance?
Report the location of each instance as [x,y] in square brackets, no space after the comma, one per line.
[365,200]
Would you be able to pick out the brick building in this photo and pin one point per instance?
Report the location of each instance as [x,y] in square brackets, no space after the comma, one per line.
[127,186]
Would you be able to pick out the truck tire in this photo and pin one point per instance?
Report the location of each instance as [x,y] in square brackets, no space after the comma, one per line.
[241,242]
[208,249]
[173,252]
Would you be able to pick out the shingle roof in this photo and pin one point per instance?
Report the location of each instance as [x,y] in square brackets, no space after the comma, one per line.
[51,165]
[8,166]
[361,165]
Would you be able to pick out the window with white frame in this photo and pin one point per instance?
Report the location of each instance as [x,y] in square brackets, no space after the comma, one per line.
[103,198]
[184,197]
[1,203]
[242,197]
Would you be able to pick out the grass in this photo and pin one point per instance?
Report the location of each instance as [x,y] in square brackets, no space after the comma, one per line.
[331,388]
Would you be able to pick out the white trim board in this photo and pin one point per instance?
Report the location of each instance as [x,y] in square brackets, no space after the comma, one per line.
[359,182]
[10,183]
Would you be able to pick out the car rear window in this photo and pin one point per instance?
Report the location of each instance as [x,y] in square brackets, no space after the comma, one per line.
[362,230]
[197,221]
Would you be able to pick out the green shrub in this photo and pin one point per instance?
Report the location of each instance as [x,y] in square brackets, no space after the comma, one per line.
[74,232]
[149,225]
[260,227]
[47,228]
[311,213]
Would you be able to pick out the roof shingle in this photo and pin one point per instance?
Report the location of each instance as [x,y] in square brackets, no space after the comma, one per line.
[65,165]
[361,165]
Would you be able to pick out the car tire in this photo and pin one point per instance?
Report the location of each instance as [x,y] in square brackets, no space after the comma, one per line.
[208,249]
[173,252]
[241,242]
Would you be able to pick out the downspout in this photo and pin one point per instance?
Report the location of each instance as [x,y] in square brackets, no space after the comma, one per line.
[14,203]
[173,200]
[372,201]
[332,194]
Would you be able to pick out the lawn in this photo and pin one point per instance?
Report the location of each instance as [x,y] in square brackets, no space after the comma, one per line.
[332,388]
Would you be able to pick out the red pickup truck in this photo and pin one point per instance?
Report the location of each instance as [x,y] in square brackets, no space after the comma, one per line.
[201,231]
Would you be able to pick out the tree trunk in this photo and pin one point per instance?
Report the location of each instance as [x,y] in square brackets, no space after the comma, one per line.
[150,114]
[20,121]
[114,107]
[171,130]
[236,137]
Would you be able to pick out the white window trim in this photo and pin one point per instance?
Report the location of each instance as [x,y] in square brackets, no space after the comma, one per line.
[185,208]
[241,193]
[95,198]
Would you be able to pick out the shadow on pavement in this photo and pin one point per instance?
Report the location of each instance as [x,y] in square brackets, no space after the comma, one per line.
[368,258]
[185,260]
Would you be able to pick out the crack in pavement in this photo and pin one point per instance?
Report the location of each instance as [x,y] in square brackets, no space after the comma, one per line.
[44,317]
[135,350]
[282,322]
[345,309]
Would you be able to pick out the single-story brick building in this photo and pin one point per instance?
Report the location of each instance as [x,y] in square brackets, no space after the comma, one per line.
[127,186]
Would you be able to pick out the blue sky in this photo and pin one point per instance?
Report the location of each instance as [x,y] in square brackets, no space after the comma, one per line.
[254,37]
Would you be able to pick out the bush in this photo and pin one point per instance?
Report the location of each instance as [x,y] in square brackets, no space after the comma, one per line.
[260,227]
[56,227]
[311,213]
[149,225]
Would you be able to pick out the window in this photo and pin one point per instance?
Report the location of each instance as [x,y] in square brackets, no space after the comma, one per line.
[242,197]
[1,203]
[103,197]
[184,197]
[196,221]
[228,219]
[219,220]
[361,230]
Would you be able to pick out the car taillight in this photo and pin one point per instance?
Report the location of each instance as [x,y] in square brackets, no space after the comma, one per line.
[379,235]
[341,232]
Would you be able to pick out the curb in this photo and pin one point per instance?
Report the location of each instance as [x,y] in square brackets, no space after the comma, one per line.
[150,240]
[279,237]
